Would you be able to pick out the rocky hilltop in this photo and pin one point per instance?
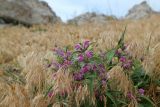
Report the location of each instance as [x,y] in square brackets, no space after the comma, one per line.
[91,18]
[139,11]
[27,12]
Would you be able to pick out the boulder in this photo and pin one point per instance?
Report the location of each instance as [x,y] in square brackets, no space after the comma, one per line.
[27,12]
[91,18]
[2,24]
[2,21]
[140,11]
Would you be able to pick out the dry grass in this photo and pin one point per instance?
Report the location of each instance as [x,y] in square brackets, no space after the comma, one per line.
[28,48]
[120,79]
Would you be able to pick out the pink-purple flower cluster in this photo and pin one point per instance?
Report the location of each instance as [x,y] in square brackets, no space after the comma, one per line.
[90,68]
[63,54]
[141,91]
[89,54]
[78,76]
[130,95]
[126,63]
[80,57]
[84,55]
[65,59]
[77,47]
[84,46]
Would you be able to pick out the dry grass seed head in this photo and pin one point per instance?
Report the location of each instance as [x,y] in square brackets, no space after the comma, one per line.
[62,81]
[35,74]
[39,101]
[156,59]
[133,103]
[120,80]
[152,63]
[16,97]
[82,94]
[106,40]
[3,90]
[137,48]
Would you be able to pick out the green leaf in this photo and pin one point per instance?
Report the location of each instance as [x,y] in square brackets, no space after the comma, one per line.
[91,85]
[157,82]
[141,105]
[95,59]
[137,64]
[15,77]
[82,64]
[48,90]
[147,102]
[90,47]
[90,76]
[121,41]
[110,55]
[109,95]
[139,78]
[122,102]
[50,105]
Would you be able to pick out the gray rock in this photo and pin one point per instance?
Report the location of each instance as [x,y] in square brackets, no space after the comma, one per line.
[2,21]
[27,12]
[91,18]
[2,24]
[140,11]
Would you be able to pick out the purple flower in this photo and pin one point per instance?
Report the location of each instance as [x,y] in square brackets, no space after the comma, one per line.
[102,68]
[141,91]
[56,64]
[86,44]
[50,94]
[130,95]
[103,82]
[77,47]
[80,58]
[89,54]
[118,53]
[59,52]
[123,59]
[78,76]
[94,67]
[67,62]
[96,93]
[127,64]
[68,53]
[101,98]
[85,69]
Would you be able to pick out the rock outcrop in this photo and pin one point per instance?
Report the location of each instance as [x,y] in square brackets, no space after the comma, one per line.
[91,18]
[1,21]
[140,11]
[26,12]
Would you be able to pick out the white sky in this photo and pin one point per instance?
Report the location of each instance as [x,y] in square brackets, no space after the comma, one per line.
[67,9]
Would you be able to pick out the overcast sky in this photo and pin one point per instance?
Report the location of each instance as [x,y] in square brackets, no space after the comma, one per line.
[68,9]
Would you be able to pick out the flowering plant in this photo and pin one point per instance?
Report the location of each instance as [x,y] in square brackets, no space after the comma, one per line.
[94,71]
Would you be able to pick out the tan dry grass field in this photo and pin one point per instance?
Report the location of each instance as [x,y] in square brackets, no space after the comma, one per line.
[23,51]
